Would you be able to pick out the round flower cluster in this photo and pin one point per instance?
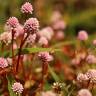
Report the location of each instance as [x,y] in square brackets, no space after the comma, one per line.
[6,37]
[78,58]
[43,41]
[46,32]
[19,30]
[31,25]
[84,92]
[82,35]
[56,15]
[59,25]
[91,59]
[3,63]
[31,39]
[89,75]
[75,61]
[60,35]
[12,22]
[45,56]
[27,8]
[82,77]
[17,87]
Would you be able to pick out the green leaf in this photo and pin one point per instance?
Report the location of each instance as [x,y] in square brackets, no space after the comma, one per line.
[29,51]
[54,75]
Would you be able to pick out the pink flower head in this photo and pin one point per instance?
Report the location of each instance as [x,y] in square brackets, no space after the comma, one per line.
[13,22]
[84,92]
[94,42]
[91,59]
[60,24]
[55,16]
[6,37]
[45,56]
[43,41]
[82,35]
[48,93]
[82,77]
[75,61]
[19,30]
[60,35]
[31,39]
[17,87]
[3,63]
[31,25]
[91,74]
[27,8]
[46,32]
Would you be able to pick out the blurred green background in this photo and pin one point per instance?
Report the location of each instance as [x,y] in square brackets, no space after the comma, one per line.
[78,14]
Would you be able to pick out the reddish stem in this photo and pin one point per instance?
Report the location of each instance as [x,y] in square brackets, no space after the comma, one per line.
[13,32]
[19,53]
[44,73]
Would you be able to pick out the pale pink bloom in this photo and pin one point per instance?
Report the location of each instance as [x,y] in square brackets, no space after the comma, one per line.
[82,77]
[94,42]
[75,61]
[27,8]
[91,74]
[91,59]
[31,39]
[48,93]
[60,35]
[46,32]
[12,22]
[83,35]
[3,63]
[84,92]
[31,25]
[43,41]
[6,37]
[17,87]
[55,16]
[19,30]
[60,24]
[45,56]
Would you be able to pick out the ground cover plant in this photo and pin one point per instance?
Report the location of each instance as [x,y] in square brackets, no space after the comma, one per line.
[44,61]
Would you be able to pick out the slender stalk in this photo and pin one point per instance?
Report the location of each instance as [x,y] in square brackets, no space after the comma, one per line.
[13,32]
[44,73]
[2,48]
[19,53]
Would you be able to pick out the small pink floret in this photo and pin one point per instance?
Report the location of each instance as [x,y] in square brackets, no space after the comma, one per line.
[84,92]
[13,22]
[27,8]
[3,63]
[82,35]
[17,87]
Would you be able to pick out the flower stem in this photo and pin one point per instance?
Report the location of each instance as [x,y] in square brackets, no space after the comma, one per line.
[13,32]
[19,53]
